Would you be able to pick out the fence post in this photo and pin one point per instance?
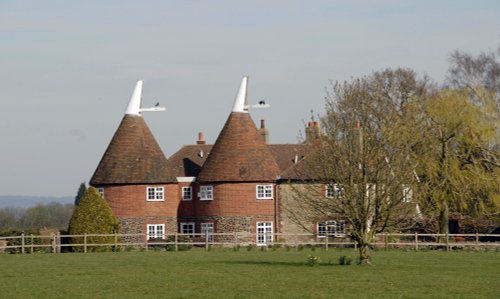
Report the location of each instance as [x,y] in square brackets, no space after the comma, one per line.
[53,242]
[85,242]
[295,241]
[326,242]
[386,240]
[447,242]
[176,239]
[58,242]
[206,240]
[116,242]
[416,241]
[22,243]
[477,241]
[32,245]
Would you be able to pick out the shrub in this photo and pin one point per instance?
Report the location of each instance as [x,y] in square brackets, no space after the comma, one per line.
[18,241]
[180,239]
[93,216]
[156,247]
[345,260]
[312,260]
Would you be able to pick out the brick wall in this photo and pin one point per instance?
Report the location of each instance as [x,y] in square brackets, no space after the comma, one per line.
[131,200]
[235,199]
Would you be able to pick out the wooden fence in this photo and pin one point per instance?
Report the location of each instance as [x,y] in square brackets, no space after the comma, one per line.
[52,243]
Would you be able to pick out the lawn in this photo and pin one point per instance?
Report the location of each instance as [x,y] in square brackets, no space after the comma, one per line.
[247,274]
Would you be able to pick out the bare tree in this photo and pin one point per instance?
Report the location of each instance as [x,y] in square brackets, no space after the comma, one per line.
[364,157]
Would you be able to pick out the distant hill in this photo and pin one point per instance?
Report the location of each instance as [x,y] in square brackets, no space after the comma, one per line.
[29,201]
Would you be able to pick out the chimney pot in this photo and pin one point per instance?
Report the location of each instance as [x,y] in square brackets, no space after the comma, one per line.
[310,124]
[200,138]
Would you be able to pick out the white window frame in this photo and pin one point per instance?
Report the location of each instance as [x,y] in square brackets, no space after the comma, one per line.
[101,191]
[207,230]
[206,192]
[264,234]
[264,191]
[334,191]
[155,193]
[407,193]
[331,228]
[183,227]
[155,231]
[185,191]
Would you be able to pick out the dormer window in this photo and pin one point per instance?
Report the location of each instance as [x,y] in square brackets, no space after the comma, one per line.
[264,191]
[155,194]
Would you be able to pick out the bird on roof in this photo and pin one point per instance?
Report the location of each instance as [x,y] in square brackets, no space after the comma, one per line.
[157,104]
[262,102]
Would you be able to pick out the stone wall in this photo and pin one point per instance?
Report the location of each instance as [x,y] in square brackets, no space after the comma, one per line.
[138,225]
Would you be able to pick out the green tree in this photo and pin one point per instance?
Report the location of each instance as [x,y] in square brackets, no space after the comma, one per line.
[93,216]
[457,163]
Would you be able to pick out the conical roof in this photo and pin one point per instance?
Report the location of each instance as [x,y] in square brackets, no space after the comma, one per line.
[239,154]
[133,156]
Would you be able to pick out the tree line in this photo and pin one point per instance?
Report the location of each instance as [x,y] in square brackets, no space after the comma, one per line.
[51,215]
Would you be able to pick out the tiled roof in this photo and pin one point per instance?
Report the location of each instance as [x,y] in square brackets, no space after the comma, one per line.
[132,157]
[189,159]
[239,154]
[287,155]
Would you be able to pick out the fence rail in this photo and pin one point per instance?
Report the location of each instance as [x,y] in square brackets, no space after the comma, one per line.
[416,241]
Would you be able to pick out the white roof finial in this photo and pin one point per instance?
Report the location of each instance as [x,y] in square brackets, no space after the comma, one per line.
[240,104]
[134,106]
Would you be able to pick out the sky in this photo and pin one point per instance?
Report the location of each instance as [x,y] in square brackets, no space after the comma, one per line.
[68,69]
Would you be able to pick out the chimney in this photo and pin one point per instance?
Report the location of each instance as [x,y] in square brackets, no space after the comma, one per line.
[200,138]
[264,132]
[358,138]
[312,131]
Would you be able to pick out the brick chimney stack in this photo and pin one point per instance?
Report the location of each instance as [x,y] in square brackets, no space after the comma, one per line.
[312,131]
[264,132]
[200,138]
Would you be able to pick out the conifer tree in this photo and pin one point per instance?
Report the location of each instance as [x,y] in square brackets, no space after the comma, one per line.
[93,216]
[80,193]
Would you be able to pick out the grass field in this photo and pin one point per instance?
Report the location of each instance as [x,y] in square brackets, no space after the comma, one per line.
[245,274]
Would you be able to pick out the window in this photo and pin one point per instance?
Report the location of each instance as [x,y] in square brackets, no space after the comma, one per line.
[407,193]
[101,191]
[334,191]
[207,230]
[187,193]
[264,191]
[187,228]
[264,233]
[206,193]
[156,231]
[155,194]
[331,228]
